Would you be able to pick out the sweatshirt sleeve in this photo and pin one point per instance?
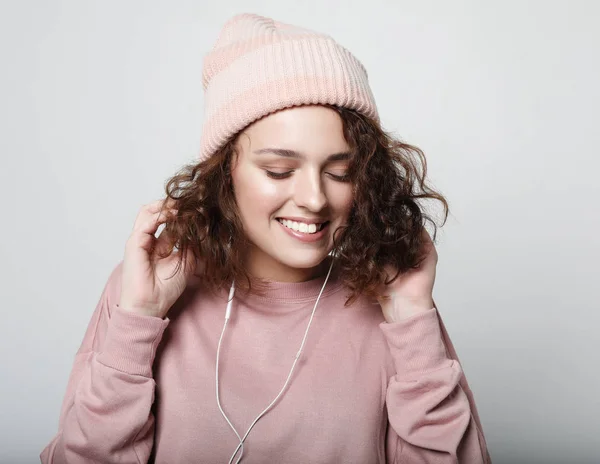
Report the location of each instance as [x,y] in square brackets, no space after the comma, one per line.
[106,411]
[431,410]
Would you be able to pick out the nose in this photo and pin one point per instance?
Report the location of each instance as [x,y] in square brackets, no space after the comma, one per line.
[309,192]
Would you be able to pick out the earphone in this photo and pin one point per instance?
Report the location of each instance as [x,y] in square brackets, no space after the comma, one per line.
[227,316]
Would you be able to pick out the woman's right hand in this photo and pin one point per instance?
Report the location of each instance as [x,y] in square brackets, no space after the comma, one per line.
[145,286]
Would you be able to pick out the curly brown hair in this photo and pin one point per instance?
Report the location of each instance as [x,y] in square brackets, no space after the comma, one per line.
[384,226]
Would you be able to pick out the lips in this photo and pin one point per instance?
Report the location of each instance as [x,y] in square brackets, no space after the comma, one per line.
[304,220]
[309,227]
[314,235]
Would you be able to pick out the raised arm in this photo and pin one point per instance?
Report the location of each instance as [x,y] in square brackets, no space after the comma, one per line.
[431,409]
[106,412]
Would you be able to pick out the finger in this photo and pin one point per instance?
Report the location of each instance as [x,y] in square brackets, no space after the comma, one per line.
[162,242]
[425,234]
[166,203]
[156,206]
[149,224]
[143,236]
[144,212]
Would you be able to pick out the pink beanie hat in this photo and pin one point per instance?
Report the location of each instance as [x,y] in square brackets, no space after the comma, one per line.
[259,66]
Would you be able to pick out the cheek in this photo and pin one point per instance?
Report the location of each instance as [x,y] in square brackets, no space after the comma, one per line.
[254,195]
[341,199]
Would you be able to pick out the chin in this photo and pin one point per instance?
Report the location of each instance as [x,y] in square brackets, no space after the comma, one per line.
[302,261]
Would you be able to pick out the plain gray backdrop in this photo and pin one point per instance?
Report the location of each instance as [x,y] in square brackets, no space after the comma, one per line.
[101,101]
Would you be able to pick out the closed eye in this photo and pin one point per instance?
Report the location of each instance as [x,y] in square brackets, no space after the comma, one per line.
[278,175]
[342,178]
[283,175]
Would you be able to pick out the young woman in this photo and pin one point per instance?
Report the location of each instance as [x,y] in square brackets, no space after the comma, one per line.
[285,313]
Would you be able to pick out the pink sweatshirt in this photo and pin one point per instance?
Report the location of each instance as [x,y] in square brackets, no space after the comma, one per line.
[142,389]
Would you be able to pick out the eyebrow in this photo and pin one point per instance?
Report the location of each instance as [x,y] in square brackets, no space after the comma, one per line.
[286,153]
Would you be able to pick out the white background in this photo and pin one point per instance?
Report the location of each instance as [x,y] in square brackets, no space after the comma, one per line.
[101,102]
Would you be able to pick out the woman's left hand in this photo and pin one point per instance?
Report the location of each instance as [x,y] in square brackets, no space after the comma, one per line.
[412,292]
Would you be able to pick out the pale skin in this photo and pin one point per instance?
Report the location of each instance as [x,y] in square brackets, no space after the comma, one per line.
[310,186]
[291,165]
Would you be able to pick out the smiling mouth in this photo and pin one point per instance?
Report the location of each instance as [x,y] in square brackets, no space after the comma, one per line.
[302,227]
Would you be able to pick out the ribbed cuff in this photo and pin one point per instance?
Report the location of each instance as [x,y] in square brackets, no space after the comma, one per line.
[416,343]
[131,342]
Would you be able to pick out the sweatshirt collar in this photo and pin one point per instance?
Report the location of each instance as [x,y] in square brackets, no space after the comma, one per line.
[292,293]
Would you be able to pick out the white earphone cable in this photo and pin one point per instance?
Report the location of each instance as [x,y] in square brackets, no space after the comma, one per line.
[227,315]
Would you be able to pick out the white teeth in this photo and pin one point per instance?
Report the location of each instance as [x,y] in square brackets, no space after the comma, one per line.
[301,226]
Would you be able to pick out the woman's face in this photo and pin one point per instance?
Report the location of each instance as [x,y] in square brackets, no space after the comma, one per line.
[290,186]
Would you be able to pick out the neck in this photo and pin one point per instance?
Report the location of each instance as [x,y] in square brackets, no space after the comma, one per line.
[264,267]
